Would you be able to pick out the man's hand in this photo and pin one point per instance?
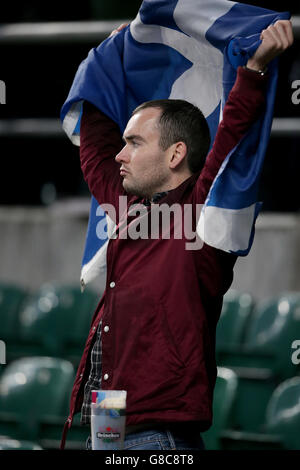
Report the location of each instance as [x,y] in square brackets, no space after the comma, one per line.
[115,31]
[275,39]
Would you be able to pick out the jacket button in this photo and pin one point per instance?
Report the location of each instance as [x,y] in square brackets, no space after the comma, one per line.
[105,376]
[106,329]
[112,284]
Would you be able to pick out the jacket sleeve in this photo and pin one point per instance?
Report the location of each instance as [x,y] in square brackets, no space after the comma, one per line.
[100,142]
[243,107]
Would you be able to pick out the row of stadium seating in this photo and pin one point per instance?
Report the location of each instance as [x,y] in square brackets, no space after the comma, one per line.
[54,321]
[257,341]
[257,393]
[34,394]
[34,399]
[281,425]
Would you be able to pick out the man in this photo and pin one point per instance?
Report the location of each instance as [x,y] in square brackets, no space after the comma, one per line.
[153,333]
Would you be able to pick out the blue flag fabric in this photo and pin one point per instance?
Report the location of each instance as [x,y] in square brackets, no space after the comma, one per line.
[187,49]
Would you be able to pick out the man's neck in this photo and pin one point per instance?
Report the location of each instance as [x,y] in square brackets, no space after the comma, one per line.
[173,184]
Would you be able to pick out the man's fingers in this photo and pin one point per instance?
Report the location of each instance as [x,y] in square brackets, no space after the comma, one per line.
[282,31]
[279,36]
[112,33]
[119,28]
[123,25]
[282,34]
[271,43]
[288,27]
[275,38]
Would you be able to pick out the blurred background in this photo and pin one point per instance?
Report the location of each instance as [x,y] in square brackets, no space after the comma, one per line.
[44,208]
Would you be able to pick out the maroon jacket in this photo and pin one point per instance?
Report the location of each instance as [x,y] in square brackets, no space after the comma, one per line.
[161,302]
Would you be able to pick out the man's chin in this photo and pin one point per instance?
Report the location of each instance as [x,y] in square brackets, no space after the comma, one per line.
[128,188]
[133,190]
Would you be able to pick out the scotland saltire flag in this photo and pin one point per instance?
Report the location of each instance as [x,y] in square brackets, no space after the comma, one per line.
[187,49]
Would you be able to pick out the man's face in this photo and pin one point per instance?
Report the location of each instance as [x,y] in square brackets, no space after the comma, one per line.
[144,165]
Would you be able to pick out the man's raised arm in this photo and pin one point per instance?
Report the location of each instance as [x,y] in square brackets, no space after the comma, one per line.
[100,142]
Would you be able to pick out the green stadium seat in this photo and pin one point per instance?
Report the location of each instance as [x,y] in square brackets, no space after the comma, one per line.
[224,396]
[55,322]
[281,428]
[2,367]
[233,322]
[264,359]
[274,327]
[13,444]
[12,298]
[31,388]
[50,433]
[283,413]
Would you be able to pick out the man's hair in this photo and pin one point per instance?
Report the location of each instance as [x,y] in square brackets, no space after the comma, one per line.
[181,121]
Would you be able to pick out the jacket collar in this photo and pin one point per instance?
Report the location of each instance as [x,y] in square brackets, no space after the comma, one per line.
[171,196]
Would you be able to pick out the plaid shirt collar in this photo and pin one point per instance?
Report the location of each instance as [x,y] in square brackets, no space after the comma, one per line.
[155,198]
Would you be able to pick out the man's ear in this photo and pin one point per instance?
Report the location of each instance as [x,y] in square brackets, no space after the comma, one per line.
[177,153]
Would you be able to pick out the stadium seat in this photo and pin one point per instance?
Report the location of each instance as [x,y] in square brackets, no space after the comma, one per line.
[274,327]
[233,322]
[55,321]
[224,395]
[50,433]
[283,413]
[13,444]
[12,298]
[281,428]
[2,367]
[264,359]
[31,388]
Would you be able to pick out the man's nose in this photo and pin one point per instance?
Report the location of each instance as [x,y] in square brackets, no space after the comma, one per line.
[123,155]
